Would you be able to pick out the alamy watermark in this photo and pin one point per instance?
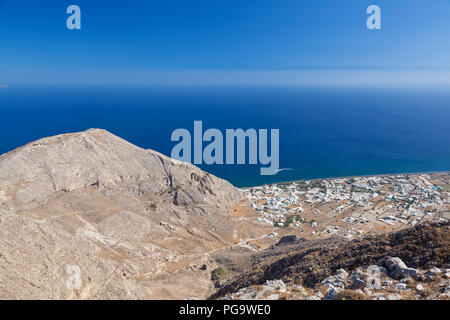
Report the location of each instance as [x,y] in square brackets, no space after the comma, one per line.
[373,277]
[73,22]
[229,150]
[73,281]
[374,20]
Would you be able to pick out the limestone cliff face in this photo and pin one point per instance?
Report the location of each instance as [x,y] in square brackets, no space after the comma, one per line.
[135,223]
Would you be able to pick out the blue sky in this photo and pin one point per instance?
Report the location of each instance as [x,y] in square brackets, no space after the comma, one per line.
[139,42]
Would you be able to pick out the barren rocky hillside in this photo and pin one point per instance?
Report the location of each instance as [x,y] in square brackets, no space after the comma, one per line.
[411,261]
[135,223]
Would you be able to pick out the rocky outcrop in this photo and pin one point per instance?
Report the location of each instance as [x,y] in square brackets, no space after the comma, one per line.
[314,263]
[362,284]
[397,268]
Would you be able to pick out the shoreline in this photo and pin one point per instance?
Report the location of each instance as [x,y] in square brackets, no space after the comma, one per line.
[351,176]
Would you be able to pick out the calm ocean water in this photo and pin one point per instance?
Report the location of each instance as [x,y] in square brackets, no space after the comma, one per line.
[323,132]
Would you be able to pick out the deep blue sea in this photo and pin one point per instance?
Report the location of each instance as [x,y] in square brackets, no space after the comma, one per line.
[323,132]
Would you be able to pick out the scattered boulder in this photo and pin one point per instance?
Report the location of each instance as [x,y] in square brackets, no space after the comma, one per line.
[271,285]
[331,294]
[356,282]
[387,283]
[447,274]
[334,282]
[396,268]
[445,289]
[400,286]
[434,272]
[341,274]
[420,277]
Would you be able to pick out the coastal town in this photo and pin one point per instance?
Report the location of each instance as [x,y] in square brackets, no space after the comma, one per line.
[351,207]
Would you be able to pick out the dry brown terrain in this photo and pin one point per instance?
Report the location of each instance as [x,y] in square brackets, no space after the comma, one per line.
[136,224]
[306,263]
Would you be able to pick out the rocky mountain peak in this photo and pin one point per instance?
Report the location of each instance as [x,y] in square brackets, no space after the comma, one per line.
[131,222]
[98,159]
